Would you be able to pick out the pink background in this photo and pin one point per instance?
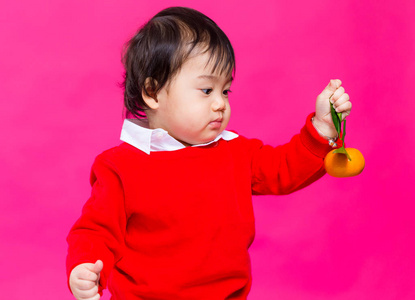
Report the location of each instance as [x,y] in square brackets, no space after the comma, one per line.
[338,239]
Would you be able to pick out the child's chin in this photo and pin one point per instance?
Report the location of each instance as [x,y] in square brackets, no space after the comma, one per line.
[200,140]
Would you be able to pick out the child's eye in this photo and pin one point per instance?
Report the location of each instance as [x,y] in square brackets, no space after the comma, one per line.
[226,92]
[206,91]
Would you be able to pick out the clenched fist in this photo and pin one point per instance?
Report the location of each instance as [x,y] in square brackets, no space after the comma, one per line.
[84,281]
[336,94]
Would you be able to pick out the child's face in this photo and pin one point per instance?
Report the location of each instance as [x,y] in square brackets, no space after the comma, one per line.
[194,108]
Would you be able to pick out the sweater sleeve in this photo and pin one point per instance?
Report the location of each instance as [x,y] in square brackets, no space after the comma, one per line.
[99,232]
[289,167]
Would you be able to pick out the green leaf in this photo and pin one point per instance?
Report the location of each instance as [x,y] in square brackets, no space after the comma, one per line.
[335,118]
[342,150]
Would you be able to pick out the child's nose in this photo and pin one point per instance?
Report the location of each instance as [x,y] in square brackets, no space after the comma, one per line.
[219,103]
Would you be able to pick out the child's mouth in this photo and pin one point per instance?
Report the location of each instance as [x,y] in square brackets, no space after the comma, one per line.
[216,124]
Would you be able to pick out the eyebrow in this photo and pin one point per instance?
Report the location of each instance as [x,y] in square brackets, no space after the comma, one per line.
[213,77]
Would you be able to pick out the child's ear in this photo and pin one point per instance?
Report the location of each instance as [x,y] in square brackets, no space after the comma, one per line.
[148,94]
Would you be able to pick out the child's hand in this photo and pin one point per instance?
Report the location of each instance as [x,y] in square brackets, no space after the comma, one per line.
[341,102]
[84,280]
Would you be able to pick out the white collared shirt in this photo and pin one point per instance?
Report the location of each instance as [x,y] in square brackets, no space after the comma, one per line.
[136,133]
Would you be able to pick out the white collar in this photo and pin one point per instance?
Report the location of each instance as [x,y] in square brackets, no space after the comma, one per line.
[136,133]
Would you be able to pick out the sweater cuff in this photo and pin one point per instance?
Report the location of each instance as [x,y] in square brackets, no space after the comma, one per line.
[312,140]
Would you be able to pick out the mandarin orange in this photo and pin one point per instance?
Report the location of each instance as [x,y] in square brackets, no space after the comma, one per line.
[338,164]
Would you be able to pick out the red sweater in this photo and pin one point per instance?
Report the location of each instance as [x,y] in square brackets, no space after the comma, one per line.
[178,224]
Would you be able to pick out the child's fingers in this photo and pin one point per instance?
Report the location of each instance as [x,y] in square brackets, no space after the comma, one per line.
[96,297]
[96,268]
[85,285]
[87,293]
[341,101]
[345,109]
[329,90]
[88,275]
[345,114]
[337,94]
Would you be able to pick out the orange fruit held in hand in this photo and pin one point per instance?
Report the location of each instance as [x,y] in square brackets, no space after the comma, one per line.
[338,165]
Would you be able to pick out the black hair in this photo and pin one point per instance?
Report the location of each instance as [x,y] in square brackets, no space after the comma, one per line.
[158,50]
